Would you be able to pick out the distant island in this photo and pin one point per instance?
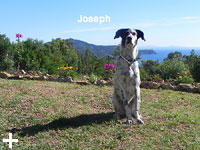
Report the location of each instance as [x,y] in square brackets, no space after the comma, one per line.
[147,52]
[102,50]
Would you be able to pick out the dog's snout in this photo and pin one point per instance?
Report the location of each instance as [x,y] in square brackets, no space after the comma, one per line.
[129,38]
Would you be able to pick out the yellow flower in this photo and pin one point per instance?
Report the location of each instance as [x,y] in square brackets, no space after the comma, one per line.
[70,67]
[180,77]
[186,73]
[190,76]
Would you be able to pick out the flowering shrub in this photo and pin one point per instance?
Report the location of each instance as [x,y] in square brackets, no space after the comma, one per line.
[157,77]
[109,66]
[186,78]
[19,35]
[172,68]
[67,72]
[65,68]
[109,71]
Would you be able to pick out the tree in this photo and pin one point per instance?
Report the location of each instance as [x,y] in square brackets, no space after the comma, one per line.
[4,48]
[193,61]
[151,67]
[172,55]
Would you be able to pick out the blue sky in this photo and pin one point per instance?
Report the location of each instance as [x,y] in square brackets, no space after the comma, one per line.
[164,23]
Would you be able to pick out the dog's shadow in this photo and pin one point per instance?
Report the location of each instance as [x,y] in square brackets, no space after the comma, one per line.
[64,123]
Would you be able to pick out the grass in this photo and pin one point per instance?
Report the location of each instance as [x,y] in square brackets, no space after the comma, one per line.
[50,115]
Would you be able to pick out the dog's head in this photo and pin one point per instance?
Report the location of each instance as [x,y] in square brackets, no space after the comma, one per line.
[129,36]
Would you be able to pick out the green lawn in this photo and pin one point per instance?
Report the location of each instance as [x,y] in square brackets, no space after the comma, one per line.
[50,115]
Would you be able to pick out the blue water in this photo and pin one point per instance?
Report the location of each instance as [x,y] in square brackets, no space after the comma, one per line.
[162,54]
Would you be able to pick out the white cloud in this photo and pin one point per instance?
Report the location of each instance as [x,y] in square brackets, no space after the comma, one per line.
[191,18]
[175,21]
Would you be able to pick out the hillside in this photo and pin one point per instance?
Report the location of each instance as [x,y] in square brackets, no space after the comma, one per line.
[101,50]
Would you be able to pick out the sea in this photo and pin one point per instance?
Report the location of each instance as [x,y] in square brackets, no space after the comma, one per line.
[162,54]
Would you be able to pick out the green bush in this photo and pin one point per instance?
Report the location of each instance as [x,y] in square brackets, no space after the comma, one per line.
[93,78]
[186,78]
[151,67]
[143,73]
[67,72]
[5,59]
[156,77]
[193,61]
[172,68]
[34,55]
[7,64]
[196,71]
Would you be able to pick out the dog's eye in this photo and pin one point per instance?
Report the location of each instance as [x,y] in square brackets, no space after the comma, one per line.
[133,33]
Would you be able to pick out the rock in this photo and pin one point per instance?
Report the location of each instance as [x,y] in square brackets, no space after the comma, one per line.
[198,84]
[196,90]
[53,79]
[82,82]
[43,78]
[148,79]
[109,83]
[23,72]
[16,77]
[68,79]
[185,87]
[5,75]
[59,79]
[36,77]
[101,82]
[31,72]
[166,86]
[28,77]
[39,73]
[149,85]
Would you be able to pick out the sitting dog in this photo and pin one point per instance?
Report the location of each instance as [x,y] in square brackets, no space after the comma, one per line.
[126,81]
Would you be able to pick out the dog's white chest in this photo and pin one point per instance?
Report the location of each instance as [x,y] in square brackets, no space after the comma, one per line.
[134,71]
[131,72]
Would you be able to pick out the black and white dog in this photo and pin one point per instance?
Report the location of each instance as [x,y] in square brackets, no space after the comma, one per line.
[126,81]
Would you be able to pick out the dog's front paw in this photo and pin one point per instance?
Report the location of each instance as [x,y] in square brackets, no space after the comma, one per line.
[139,121]
[129,121]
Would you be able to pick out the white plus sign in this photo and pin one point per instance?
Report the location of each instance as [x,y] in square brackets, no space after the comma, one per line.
[10,140]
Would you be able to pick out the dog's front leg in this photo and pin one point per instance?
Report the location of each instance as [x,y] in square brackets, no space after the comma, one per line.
[126,103]
[137,102]
[128,114]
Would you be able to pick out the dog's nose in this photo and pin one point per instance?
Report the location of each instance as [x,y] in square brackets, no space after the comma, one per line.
[129,38]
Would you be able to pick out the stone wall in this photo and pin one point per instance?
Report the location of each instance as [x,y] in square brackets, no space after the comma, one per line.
[144,84]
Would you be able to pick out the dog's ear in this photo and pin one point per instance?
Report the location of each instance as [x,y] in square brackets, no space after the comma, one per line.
[119,33]
[140,34]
